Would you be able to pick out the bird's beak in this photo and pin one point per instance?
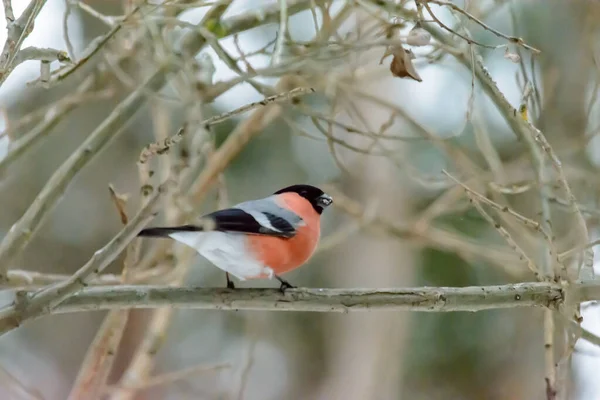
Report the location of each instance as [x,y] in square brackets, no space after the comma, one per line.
[325,200]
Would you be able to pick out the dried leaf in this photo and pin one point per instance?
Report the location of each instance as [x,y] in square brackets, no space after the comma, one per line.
[418,36]
[402,65]
[511,56]
[120,201]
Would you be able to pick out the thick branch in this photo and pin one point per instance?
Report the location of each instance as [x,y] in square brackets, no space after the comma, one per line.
[428,299]
[22,231]
[37,303]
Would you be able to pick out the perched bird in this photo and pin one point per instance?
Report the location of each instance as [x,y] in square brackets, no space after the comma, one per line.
[262,238]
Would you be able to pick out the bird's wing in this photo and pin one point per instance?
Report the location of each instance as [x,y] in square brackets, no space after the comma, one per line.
[259,217]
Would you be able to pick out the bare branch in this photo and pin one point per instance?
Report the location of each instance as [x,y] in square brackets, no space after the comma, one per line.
[92,49]
[30,305]
[22,279]
[51,118]
[101,354]
[171,377]
[423,299]
[517,40]
[22,231]
[163,146]
[8,12]
[17,31]
[283,20]
[41,54]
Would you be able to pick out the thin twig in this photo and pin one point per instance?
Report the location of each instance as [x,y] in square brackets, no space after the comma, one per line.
[30,305]
[549,362]
[164,146]
[99,358]
[427,235]
[573,206]
[17,31]
[446,27]
[21,279]
[50,119]
[143,360]
[506,235]
[92,49]
[516,40]
[253,336]
[22,231]
[41,54]
[171,377]
[279,44]
[524,220]
[235,142]
[65,27]
[8,12]
[98,361]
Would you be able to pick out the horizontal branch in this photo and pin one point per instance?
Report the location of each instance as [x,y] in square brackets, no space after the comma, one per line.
[431,299]
[41,54]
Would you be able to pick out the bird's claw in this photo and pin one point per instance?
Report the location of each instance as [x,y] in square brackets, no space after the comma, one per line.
[230,284]
[285,285]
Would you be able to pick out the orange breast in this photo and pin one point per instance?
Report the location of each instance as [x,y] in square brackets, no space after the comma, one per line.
[283,255]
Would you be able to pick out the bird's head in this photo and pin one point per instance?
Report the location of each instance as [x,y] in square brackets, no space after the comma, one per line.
[315,196]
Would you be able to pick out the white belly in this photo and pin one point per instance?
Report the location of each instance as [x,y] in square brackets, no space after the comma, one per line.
[227,251]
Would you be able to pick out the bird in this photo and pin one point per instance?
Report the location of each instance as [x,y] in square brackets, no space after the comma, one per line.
[257,239]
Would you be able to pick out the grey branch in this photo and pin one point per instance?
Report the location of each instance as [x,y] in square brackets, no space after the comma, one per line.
[427,299]
[22,231]
[319,300]
[41,54]
[16,32]
[8,12]
[164,145]
[29,305]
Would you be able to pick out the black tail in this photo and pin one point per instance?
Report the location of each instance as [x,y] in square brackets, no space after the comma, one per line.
[166,231]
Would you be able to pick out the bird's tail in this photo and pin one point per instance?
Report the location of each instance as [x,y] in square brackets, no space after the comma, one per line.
[166,231]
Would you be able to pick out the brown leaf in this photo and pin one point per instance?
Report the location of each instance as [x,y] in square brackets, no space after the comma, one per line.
[402,65]
[120,200]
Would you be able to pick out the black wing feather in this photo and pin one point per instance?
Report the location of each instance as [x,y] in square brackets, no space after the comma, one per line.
[165,232]
[231,220]
[280,223]
[237,220]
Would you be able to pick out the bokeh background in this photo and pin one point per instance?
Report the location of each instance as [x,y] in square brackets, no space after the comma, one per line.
[271,355]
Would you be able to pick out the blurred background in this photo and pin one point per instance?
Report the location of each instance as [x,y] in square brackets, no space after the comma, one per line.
[378,141]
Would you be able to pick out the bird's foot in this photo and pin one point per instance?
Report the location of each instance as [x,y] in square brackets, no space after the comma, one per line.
[230,284]
[284,284]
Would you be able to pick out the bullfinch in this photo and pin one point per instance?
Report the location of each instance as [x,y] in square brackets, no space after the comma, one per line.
[262,238]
